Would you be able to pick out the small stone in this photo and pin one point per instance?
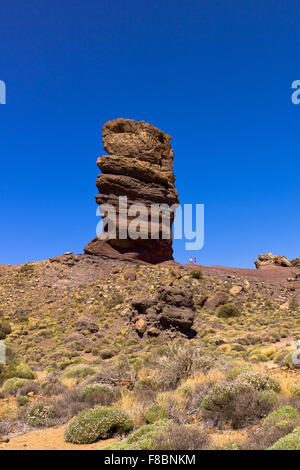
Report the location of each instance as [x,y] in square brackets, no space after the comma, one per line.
[130,276]
[176,273]
[89,324]
[140,326]
[153,331]
[235,290]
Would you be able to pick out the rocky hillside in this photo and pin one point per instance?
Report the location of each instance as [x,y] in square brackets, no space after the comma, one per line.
[144,333]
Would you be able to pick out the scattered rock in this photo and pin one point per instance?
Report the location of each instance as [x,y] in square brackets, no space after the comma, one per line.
[173,307]
[235,290]
[176,273]
[87,323]
[141,326]
[130,276]
[153,331]
[218,299]
[141,304]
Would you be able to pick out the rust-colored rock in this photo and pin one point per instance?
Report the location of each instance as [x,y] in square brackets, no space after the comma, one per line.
[140,167]
[270,259]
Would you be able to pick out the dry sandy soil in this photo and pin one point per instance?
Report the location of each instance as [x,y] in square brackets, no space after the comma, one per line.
[49,439]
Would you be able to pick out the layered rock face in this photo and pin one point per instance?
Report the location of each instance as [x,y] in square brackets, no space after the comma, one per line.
[140,167]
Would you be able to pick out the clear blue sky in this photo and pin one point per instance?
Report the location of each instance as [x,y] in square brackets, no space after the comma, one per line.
[216,75]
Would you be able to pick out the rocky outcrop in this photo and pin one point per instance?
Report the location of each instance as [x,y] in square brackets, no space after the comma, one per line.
[140,167]
[296,263]
[173,308]
[270,259]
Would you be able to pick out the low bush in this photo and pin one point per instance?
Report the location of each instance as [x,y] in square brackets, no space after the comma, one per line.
[259,381]
[143,438]
[96,394]
[180,437]
[238,402]
[12,385]
[289,442]
[196,274]
[261,438]
[39,414]
[30,386]
[5,329]
[164,435]
[97,423]
[179,362]
[227,311]
[155,413]
[283,418]
[92,388]
[80,372]
[22,400]
[268,399]
[24,372]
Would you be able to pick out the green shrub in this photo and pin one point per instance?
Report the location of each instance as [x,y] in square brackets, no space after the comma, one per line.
[90,389]
[26,268]
[228,311]
[143,438]
[98,423]
[23,371]
[221,395]
[155,413]
[39,414]
[12,385]
[282,418]
[22,400]
[296,391]
[80,372]
[268,399]
[289,442]
[196,274]
[5,329]
[237,402]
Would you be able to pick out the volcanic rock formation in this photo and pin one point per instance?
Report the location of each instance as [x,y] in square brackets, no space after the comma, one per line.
[173,308]
[268,258]
[140,167]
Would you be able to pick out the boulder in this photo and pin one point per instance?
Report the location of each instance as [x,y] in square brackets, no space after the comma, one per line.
[235,290]
[141,325]
[173,307]
[269,258]
[87,323]
[177,316]
[216,300]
